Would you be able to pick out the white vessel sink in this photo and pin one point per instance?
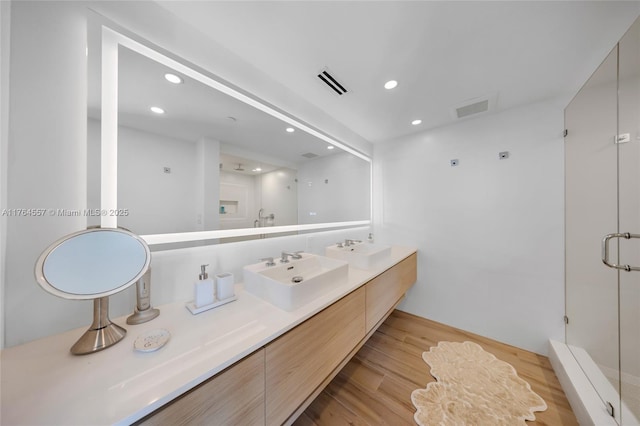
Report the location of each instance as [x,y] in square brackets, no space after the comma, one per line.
[360,255]
[291,285]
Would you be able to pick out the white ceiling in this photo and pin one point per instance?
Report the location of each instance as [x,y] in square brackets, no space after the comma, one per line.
[442,53]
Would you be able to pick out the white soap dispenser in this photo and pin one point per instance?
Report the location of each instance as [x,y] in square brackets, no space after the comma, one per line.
[204,289]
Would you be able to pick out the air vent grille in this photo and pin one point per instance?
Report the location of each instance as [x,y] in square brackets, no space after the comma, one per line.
[471,109]
[332,82]
[309,155]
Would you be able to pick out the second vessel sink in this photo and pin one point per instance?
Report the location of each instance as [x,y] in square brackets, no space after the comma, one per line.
[291,285]
[360,255]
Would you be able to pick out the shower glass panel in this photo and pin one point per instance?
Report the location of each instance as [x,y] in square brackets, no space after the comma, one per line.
[629,221]
[590,213]
[602,192]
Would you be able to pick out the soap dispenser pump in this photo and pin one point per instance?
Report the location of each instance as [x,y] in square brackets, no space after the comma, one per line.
[204,289]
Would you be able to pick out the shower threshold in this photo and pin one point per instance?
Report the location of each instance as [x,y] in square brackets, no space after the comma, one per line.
[586,403]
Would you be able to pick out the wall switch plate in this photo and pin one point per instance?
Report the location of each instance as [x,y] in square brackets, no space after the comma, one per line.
[503,155]
[455,162]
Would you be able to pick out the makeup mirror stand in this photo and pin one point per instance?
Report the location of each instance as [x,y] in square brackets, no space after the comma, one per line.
[92,265]
[102,333]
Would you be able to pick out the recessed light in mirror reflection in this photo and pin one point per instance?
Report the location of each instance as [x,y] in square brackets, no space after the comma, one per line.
[172,78]
[391,84]
[416,122]
[290,129]
[157,110]
[257,169]
[330,147]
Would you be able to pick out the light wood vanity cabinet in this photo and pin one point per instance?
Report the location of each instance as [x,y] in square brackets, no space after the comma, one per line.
[300,360]
[386,290]
[274,384]
[233,397]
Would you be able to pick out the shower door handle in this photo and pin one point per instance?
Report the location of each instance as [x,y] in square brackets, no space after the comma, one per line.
[605,251]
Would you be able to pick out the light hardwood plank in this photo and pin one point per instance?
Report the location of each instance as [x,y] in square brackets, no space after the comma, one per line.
[394,352]
[361,373]
[367,405]
[414,373]
[327,410]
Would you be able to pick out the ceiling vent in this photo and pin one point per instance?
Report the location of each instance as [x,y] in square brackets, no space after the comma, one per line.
[309,155]
[473,106]
[471,109]
[332,82]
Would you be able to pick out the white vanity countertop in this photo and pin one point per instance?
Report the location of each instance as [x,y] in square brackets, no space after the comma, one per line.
[42,383]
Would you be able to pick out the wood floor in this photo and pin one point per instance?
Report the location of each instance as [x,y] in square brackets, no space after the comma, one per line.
[374,388]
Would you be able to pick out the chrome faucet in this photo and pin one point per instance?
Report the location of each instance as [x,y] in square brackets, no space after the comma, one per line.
[269,261]
[348,242]
[293,255]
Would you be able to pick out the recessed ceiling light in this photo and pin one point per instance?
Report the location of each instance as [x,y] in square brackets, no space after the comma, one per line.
[416,122]
[330,147]
[390,84]
[172,78]
[157,110]
[290,129]
[257,169]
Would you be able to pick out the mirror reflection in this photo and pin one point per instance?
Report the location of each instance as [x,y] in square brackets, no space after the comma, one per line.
[256,194]
[191,158]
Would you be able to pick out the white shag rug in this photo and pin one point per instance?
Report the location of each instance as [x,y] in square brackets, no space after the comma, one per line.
[473,388]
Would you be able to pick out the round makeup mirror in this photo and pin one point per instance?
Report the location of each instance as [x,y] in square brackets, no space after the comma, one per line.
[94,264]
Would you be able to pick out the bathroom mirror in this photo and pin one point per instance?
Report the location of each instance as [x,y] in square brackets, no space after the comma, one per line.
[167,175]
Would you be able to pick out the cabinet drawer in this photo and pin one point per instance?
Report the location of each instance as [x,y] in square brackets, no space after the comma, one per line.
[299,361]
[384,291]
[234,396]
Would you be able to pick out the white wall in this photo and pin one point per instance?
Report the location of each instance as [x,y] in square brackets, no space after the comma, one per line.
[5,22]
[181,201]
[279,193]
[158,202]
[330,189]
[207,185]
[46,157]
[489,231]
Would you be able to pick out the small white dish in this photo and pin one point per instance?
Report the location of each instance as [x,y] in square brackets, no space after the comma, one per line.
[152,340]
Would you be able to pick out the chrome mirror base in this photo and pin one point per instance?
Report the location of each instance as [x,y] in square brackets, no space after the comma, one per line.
[102,333]
[139,317]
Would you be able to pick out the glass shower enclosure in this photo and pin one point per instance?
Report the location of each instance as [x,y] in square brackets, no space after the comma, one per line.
[602,226]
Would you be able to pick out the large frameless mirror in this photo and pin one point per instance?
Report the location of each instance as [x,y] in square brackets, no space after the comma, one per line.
[183,157]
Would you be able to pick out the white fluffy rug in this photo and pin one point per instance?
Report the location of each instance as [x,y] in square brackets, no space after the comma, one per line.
[473,388]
